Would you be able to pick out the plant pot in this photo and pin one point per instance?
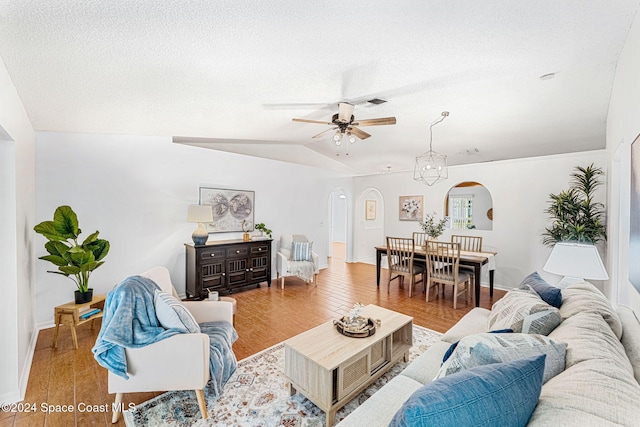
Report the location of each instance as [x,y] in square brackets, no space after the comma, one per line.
[84,297]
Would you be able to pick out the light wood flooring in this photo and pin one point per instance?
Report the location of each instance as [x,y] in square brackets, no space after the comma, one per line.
[265,316]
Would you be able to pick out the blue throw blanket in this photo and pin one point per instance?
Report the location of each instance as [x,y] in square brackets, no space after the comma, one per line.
[129,320]
[222,360]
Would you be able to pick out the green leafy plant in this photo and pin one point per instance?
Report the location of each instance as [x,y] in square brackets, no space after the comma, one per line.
[260,226]
[573,213]
[432,226]
[75,261]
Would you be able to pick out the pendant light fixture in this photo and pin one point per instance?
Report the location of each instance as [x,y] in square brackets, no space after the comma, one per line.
[431,167]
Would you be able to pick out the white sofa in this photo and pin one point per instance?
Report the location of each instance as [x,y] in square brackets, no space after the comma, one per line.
[180,362]
[598,387]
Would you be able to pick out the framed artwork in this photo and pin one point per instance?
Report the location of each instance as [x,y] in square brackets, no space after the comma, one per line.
[411,208]
[369,209]
[233,210]
[634,217]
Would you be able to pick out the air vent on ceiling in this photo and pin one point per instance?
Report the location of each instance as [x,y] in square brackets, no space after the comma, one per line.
[376,101]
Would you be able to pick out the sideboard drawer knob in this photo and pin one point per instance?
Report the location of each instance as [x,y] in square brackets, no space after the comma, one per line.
[237,252]
[212,255]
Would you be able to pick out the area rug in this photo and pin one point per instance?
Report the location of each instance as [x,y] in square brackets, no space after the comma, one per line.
[257,395]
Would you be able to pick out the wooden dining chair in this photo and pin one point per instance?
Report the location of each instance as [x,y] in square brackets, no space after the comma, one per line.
[471,244]
[443,262]
[468,243]
[420,238]
[400,256]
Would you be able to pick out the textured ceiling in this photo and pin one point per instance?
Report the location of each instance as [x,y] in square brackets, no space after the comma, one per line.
[230,75]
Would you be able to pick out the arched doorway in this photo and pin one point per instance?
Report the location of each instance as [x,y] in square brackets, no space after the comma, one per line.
[369,224]
[338,230]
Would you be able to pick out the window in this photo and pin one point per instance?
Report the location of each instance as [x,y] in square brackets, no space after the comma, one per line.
[461,212]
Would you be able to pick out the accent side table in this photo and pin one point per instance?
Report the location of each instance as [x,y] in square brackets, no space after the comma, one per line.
[69,314]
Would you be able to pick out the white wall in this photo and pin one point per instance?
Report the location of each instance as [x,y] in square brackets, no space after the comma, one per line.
[520,191]
[16,243]
[135,191]
[623,126]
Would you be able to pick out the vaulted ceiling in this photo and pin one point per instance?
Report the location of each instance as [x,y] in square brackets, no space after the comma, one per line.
[519,78]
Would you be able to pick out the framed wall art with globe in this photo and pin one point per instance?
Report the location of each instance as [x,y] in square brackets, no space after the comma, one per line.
[233,210]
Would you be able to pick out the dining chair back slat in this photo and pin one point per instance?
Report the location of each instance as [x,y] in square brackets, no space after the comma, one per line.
[468,243]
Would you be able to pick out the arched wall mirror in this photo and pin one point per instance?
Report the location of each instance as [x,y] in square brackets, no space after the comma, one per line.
[469,206]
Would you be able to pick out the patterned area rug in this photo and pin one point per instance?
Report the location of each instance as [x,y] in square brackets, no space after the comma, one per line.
[257,395]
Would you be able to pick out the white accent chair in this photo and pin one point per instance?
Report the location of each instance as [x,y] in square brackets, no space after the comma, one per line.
[284,262]
[180,362]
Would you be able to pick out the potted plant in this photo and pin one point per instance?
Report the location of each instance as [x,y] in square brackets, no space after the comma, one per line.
[434,228]
[75,261]
[573,213]
[263,228]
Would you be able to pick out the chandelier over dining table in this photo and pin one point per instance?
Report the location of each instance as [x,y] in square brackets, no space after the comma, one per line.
[431,167]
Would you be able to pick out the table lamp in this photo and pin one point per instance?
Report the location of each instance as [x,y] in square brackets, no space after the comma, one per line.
[575,261]
[200,214]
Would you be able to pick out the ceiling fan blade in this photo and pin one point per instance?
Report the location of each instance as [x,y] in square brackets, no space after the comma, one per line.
[345,111]
[323,132]
[358,133]
[311,121]
[376,122]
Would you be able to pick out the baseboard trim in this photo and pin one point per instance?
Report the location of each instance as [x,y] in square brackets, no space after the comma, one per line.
[18,395]
[11,397]
[26,369]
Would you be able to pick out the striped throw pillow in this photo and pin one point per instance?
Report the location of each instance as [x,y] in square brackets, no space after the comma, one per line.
[301,251]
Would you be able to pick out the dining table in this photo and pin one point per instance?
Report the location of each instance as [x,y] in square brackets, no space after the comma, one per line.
[470,258]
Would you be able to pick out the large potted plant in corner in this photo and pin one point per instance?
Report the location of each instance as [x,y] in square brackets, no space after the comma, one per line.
[74,260]
[574,214]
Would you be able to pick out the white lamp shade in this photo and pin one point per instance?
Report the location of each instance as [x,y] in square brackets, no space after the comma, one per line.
[580,260]
[200,213]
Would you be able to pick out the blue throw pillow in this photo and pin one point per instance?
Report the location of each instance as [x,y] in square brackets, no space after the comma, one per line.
[549,294]
[500,394]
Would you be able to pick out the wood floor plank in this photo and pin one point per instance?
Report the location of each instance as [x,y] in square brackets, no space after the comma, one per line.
[265,316]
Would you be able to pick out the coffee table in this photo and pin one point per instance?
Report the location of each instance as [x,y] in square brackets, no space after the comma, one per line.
[330,369]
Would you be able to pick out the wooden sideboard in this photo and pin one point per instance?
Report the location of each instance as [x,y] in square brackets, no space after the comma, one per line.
[227,266]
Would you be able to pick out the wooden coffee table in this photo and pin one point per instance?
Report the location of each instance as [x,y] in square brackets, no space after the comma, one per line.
[330,369]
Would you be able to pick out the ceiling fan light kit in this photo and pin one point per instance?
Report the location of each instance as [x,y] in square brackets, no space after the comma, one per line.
[431,167]
[345,125]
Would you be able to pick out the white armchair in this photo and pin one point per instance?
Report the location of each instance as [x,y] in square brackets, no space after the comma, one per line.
[180,362]
[286,264]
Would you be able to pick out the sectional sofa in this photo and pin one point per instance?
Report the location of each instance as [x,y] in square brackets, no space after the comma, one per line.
[594,350]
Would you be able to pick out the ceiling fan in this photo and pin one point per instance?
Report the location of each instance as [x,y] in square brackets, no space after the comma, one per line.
[344,124]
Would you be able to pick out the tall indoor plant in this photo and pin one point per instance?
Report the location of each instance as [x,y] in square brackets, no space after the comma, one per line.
[74,260]
[574,215]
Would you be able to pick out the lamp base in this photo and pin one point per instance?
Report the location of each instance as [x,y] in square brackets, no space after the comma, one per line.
[200,235]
